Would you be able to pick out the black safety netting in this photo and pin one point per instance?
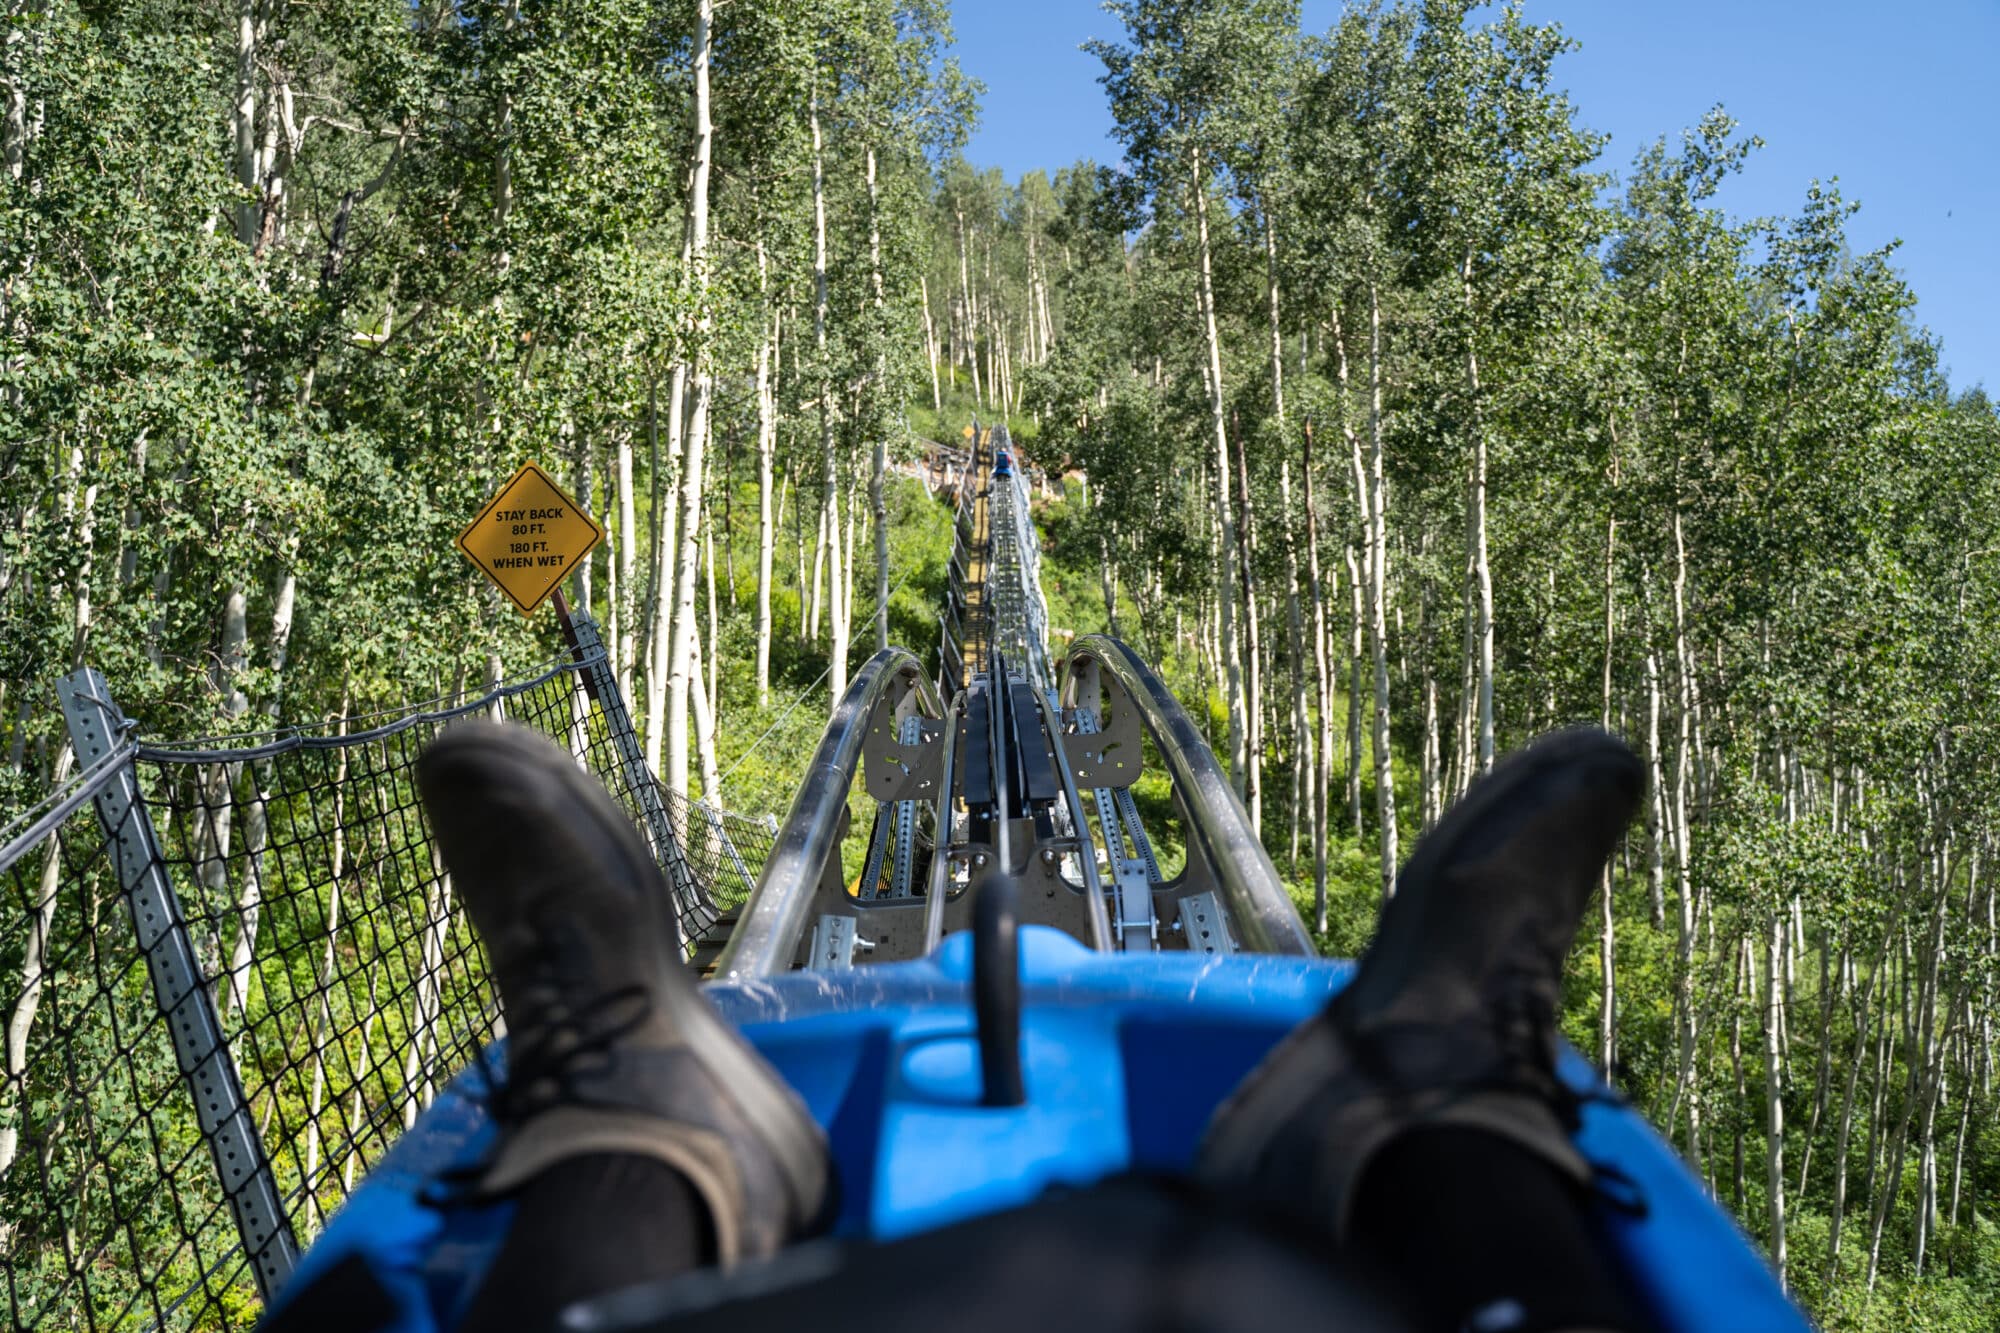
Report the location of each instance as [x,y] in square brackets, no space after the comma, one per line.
[342,973]
[93,1116]
[725,854]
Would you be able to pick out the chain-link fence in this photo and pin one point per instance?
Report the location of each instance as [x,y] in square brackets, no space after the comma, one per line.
[220,1016]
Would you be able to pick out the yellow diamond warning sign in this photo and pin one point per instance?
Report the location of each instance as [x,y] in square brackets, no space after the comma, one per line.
[529,537]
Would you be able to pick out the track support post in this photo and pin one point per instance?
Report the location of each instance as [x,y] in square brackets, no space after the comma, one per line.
[160,928]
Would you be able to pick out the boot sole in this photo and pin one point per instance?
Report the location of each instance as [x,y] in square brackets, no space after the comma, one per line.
[1398,940]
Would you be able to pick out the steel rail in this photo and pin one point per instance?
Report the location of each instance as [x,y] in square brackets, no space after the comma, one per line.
[939,886]
[1086,849]
[767,934]
[1260,911]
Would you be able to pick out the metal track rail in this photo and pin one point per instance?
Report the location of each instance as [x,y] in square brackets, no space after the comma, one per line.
[779,910]
[1261,913]
[1000,775]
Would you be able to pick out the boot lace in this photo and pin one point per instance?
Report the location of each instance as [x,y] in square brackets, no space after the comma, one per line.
[1523,1019]
[1510,1048]
[551,1045]
[555,1040]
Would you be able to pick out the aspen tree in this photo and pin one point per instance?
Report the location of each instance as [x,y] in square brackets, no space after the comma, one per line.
[1323,677]
[830,475]
[693,468]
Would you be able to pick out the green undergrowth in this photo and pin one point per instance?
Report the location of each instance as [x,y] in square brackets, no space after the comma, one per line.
[946,424]
[763,749]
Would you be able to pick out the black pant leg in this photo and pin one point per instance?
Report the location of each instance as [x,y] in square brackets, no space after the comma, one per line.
[589,1225]
[1478,1234]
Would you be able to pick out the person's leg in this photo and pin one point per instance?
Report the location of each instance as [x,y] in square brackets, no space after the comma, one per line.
[1131,1253]
[585,1226]
[640,1135]
[1418,1119]
[1476,1233]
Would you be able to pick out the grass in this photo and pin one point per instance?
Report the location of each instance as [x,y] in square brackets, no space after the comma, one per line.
[959,408]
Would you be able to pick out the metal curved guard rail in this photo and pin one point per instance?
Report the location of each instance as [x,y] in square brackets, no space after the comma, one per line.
[1086,855]
[1218,827]
[939,884]
[767,934]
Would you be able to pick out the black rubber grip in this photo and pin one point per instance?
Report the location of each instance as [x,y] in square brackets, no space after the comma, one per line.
[996,990]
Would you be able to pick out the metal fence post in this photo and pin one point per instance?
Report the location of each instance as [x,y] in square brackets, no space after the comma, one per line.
[695,910]
[96,728]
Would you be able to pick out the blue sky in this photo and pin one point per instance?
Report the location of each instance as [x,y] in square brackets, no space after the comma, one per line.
[1900,102]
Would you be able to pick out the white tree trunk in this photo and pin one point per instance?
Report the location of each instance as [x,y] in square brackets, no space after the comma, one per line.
[1107,570]
[249,905]
[830,477]
[666,509]
[686,570]
[879,465]
[693,471]
[1686,1090]
[1357,621]
[34,971]
[323,1010]
[1774,1104]
[1607,953]
[767,447]
[1378,632]
[969,315]
[243,122]
[1253,651]
[214,827]
[1232,659]
[930,341]
[810,621]
[1302,737]
[853,523]
[250,899]
[1482,569]
[704,734]
[14,94]
[624,608]
[1271,308]
[1321,593]
[714,659]
[1657,811]
[419,1066]
[1864,1017]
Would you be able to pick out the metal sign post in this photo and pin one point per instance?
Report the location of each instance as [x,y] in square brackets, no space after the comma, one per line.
[527,540]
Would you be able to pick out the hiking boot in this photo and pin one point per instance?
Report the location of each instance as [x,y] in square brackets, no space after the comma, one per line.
[611,1048]
[1450,1018]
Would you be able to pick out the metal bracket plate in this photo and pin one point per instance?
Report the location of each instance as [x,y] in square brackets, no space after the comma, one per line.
[1111,756]
[897,770]
[1138,928]
[833,941]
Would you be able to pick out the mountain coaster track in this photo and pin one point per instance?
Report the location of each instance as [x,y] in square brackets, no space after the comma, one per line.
[986,772]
